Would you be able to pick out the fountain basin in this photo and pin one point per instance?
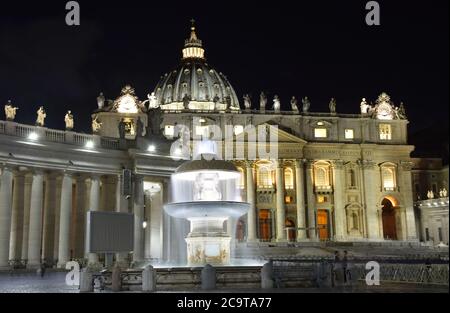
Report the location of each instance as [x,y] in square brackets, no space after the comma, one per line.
[217,209]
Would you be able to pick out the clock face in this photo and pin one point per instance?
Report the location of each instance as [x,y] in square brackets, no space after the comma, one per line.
[127,105]
[384,111]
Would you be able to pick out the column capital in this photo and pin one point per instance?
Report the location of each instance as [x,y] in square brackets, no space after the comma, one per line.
[300,162]
[338,164]
[406,165]
[250,163]
[366,164]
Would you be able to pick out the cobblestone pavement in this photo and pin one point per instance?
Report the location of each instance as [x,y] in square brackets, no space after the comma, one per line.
[52,282]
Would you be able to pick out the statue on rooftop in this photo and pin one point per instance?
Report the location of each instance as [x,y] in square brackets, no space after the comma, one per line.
[68,119]
[365,107]
[10,111]
[152,101]
[332,106]
[101,101]
[294,104]
[276,103]
[247,102]
[262,101]
[41,115]
[186,100]
[306,104]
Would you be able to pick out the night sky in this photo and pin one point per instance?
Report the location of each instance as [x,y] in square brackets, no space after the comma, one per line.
[319,49]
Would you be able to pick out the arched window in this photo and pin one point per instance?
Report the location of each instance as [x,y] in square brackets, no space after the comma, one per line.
[322,175]
[265,175]
[288,178]
[388,177]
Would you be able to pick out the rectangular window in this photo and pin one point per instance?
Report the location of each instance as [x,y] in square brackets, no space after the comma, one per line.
[385,132]
[320,132]
[288,199]
[427,234]
[440,233]
[349,134]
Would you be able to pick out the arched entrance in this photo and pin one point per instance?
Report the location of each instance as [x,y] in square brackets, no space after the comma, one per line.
[388,219]
[265,225]
[290,226]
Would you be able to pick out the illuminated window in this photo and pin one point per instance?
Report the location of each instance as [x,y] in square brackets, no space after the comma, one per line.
[169,131]
[388,178]
[288,178]
[385,132]
[265,175]
[349,134]
[320,132]
[238,129]
[288,199]
[241,181]
[321,199]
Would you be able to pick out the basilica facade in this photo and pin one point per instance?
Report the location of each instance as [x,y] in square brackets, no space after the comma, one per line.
[313,177]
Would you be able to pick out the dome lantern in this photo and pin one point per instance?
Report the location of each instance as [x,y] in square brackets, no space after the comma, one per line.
[193,48]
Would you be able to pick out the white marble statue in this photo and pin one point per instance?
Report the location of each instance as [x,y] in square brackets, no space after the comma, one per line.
[332,106]
[152,101]
[294,104]
[247,102]
[444,192]
[101,101]
[276,104]
[10,111]
[306,104]
[262,101]
[41,115]
[96,124]
[68,119]
[365,107]
[430,194]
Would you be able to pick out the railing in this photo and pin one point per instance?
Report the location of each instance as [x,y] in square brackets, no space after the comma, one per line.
[53,135]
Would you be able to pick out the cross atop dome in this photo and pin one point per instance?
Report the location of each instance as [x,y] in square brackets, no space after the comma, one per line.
[193,47]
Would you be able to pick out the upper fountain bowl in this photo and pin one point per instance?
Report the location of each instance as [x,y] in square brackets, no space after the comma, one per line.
[189,170]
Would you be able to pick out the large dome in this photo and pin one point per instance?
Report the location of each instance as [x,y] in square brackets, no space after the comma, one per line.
[194,84]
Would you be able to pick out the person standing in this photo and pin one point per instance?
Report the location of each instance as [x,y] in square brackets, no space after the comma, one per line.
[345,266]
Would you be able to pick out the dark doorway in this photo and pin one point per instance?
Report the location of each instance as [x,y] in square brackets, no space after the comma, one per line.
[389,224]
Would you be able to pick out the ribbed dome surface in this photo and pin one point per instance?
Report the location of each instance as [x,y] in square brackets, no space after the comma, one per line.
[194,81]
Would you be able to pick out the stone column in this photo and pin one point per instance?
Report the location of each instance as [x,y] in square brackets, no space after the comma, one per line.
[121,206]
[138,253]
[370,178]
[57,216]
[65,220]
[312,223]
[251,215]
[300,200]
[26,216]
[35,231]
[49,219]
[15,244]
[155,225]
[80,216]
[6,182]
[281,210]
[407,193]
[339,194]
[94,205]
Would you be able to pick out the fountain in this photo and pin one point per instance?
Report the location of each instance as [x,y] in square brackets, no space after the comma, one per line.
[206,195]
